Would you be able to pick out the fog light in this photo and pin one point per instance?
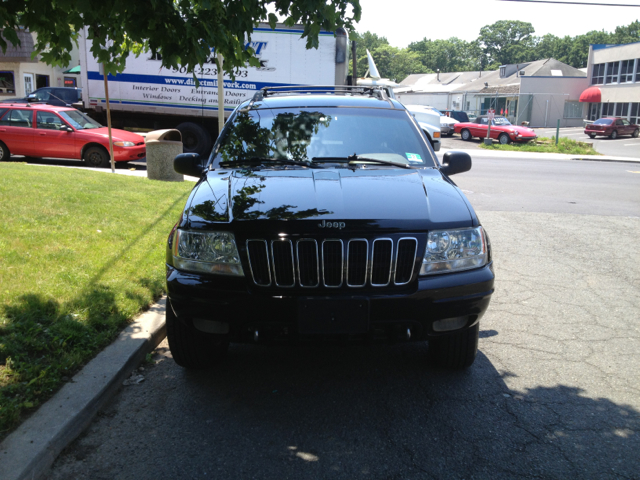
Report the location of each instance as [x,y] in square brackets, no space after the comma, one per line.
[449,324]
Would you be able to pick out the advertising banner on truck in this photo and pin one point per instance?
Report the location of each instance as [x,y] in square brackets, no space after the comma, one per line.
[145,86]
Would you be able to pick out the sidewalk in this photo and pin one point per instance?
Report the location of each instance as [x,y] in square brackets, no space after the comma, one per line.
[482,153]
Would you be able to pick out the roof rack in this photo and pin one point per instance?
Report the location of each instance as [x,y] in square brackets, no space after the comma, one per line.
[371,90]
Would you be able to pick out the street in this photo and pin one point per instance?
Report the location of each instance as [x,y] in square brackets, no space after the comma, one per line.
[553,393]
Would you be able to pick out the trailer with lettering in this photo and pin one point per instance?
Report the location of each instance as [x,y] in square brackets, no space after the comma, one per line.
[147,95]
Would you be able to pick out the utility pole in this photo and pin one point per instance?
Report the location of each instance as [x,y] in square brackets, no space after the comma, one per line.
[106,96]
[220,95]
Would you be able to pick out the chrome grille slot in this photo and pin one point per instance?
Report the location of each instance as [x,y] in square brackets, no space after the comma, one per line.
[381,257]
[308,268]
[259,262]
[332,261]
[282,256]
[405,259]
[357,262]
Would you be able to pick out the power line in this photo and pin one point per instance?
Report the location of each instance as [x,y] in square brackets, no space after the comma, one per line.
[574,3]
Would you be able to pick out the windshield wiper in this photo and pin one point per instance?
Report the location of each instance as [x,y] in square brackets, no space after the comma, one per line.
[253,161]
[351,159]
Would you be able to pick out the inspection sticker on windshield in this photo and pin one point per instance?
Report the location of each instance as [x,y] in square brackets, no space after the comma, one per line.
[414,157]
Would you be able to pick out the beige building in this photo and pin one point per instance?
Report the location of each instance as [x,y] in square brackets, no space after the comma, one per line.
[20,74]
[536,93]
[614,79]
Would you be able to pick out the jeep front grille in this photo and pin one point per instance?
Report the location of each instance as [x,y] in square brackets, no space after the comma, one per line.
[332,263]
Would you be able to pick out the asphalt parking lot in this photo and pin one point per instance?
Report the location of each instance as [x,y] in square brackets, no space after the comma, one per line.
[553,393]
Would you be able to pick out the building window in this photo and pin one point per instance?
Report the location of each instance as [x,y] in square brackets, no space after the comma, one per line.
[572,110]
[597,78]
[635,113]
[622,109]
[42,81]
[608,109]
[70,82]
[7,83]
[594,111]
[626,71]
[638,70]
[613,69]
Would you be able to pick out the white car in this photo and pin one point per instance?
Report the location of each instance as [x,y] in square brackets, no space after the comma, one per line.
[446,123]
[429,122]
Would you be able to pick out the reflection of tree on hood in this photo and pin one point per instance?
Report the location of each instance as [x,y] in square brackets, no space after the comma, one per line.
[288,138]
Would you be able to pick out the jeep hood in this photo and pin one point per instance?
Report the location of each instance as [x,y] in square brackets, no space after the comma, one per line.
[391,199]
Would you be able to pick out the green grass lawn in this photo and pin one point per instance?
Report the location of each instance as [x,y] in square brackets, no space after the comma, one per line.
[81,253]
[547,145]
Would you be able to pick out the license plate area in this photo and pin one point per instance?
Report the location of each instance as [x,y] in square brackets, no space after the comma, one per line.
[333,316]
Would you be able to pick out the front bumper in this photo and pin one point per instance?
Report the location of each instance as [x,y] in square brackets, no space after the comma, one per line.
[123,154]
[246,309]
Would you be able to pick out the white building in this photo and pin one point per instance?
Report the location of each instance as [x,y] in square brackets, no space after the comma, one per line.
[538,93]
[20,74]
[614,79]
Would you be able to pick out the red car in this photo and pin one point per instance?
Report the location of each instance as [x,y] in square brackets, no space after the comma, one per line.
[612,127]
[501,130]
[63,132]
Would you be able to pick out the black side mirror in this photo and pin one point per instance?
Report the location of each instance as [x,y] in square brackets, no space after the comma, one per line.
[455,162]
[66,128]
[189,164]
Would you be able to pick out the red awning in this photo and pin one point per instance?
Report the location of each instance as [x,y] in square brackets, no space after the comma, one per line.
[591,95]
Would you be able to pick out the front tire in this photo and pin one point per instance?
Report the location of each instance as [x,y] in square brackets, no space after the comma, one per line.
[504,139]
[635,133]
[613,135]
[466,135]
[592,135]
[96,157]
[4,153]
[455,350]
[192,348]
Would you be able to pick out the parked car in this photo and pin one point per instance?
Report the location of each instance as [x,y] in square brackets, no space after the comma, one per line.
[612,127]
[60,96]
[501,130]
[429,122]
[325,215]
[37,130]
[445,123]
[459,115]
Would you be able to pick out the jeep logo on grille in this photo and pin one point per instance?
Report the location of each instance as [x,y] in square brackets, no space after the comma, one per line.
[339,225]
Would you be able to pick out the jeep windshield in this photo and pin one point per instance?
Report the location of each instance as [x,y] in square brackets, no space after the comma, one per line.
[326,136]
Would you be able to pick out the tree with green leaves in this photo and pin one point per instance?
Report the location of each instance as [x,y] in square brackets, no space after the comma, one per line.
[365,41]
[452,55]
[506,42]
[182,31]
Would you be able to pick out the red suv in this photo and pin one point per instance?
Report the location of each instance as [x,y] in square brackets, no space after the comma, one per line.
[611,127]
[63,132]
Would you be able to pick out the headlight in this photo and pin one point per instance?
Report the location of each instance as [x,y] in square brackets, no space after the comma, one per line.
[208,252]
[454,250]
[124,144]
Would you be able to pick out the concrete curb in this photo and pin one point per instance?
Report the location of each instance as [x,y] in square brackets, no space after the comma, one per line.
[31,450]
[508,155]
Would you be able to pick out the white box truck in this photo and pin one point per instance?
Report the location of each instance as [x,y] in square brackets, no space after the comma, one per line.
[146,95]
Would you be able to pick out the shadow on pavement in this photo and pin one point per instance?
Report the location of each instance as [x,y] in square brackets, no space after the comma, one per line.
[352,412]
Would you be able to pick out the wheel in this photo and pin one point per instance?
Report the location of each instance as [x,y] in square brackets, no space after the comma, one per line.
[195,138]
[191,348]
[450,134]
[4,152]
[613,135]
[96,157]
[455,350]
[504,139]
[635,133]
[466,135]
[592,135]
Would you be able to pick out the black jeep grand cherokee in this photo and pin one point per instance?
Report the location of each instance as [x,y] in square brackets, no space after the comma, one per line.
[323,214]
